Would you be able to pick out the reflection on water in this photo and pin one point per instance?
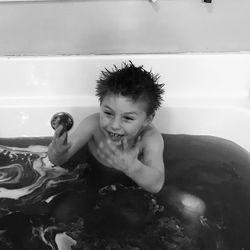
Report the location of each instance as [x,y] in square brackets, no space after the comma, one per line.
[204,204]
[27,177]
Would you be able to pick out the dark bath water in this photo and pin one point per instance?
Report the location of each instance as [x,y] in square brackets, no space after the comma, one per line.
[204,204]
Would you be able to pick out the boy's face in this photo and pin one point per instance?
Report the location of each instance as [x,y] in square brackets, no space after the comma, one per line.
[121,117]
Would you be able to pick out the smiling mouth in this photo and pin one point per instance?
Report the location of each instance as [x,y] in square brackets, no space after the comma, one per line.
[115,136]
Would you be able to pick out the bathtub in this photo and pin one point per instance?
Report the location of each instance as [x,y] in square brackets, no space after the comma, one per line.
[206,94]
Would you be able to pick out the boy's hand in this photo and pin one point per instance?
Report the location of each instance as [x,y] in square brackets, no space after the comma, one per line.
[123,158]
[60,143]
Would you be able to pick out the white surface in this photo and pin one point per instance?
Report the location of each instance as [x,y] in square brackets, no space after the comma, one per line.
[64,242]
[225,74]
[123,26]
[205,93]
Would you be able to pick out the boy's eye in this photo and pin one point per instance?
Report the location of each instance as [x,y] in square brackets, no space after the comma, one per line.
[107,113]
[128,118]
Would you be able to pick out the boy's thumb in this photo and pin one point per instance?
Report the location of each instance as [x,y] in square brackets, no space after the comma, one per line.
[137,144]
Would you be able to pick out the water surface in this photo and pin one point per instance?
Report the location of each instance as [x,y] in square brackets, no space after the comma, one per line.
[204,204]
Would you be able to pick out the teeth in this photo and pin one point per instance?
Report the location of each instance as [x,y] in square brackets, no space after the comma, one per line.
[116,135]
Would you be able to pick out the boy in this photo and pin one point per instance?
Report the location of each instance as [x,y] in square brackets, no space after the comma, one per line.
[121,136]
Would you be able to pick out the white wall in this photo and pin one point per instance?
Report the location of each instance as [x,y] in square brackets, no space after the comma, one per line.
[123,26]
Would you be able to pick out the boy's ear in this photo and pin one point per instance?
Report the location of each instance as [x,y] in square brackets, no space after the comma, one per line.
[150,117]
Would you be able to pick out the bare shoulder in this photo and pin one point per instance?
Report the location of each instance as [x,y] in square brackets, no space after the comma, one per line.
[152,139]
[152,149]
[90,122]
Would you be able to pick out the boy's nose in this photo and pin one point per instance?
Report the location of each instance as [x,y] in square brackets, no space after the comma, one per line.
[115,124]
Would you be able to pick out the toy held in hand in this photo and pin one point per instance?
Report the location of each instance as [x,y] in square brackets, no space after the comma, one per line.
[62,118]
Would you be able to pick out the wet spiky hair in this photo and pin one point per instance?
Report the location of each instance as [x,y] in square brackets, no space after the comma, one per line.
[133,82]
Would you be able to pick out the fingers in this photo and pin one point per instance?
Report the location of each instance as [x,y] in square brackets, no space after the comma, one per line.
[64,148]
[59,147]
[111,147]
[125,146]
[64,137]
[67,146]
[136,147]
[59,130]
[57,122]
[138,140]
[60,140]
[61,135]
[104,153]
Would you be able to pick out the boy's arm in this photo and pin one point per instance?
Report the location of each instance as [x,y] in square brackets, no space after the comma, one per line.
[61,149]
[150,173]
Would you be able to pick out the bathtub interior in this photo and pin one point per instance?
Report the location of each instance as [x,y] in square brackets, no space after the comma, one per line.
[206,94]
